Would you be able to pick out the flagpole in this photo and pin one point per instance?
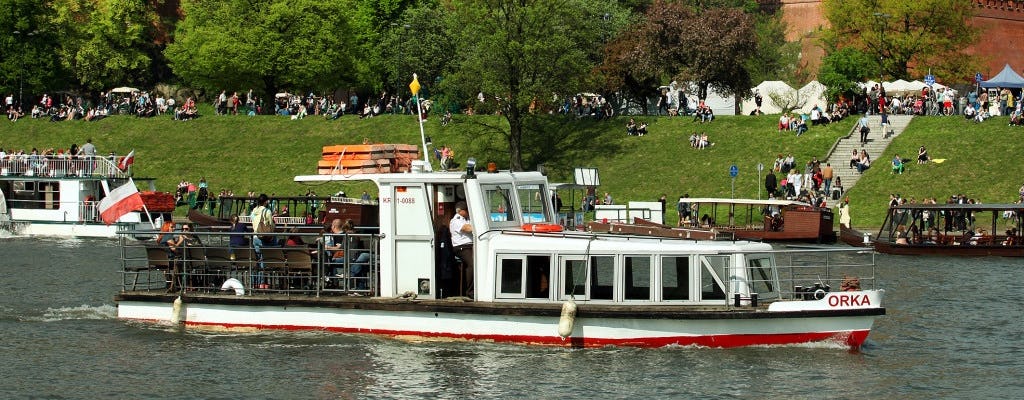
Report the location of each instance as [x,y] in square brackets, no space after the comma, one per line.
[144,208]
[415,88]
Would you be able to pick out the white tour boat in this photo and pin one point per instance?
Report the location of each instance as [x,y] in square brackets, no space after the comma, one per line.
[49,196]
[533,283]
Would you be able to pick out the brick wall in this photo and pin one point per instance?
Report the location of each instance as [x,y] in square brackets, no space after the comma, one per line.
[1001,23]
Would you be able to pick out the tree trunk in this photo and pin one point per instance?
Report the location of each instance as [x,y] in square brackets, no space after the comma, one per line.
[515,138]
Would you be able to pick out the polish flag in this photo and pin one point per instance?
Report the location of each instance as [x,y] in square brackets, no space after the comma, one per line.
[119,202]
[127,161]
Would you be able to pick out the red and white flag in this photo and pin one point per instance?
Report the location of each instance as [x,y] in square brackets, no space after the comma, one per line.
[127,161]
[120,201]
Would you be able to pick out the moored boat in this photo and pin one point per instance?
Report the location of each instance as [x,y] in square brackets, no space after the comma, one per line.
[765,220]
[952,229]
[532,283]
[854,237]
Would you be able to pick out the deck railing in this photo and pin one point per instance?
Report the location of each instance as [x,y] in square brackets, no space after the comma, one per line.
[213,265]
[803,271]
[59,167]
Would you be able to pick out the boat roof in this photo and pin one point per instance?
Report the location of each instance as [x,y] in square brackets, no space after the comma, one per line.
[963,207]
[756,202]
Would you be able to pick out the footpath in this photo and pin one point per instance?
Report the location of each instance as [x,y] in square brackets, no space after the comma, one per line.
[878,140]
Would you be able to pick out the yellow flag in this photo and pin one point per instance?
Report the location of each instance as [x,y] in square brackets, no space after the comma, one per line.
[415,85]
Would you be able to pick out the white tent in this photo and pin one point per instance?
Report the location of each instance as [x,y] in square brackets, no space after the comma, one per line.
[814,93]
[766,89]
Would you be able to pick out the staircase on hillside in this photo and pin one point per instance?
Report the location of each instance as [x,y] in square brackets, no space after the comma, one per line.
[877,142]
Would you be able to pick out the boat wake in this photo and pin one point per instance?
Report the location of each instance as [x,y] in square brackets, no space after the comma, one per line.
[82,312]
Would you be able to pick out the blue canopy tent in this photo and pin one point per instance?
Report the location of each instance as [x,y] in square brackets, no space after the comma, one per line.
[1006,78]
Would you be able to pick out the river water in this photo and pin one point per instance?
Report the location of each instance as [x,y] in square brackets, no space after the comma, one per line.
[953,330]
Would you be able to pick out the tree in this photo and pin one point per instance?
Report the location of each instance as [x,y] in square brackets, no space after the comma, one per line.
[774,58]
[675,41]
[104,42]
[842,69]
[268,45]
[520,51]
[27,42]
[906,37]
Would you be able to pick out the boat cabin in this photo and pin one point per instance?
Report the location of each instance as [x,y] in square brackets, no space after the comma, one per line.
[521,254]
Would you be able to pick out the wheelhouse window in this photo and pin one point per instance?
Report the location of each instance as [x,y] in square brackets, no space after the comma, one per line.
[535,202]
[500,208]
[602,278]
[637,278]
[675,278]
[713,273]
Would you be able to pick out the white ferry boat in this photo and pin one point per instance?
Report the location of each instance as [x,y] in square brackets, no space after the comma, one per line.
[47,196]
[533,283]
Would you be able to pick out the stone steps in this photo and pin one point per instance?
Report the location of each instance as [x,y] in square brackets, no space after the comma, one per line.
[876,145]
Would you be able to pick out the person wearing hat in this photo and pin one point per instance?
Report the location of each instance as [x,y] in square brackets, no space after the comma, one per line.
[462,242]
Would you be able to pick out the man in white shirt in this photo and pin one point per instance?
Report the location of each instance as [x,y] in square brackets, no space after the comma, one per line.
[462,243]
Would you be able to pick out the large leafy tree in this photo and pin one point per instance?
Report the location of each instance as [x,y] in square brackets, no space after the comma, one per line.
[520,51]
[674,40]
[842,69]
[104,42]
[27,45]
[906,37]
[265,45]
[774,58]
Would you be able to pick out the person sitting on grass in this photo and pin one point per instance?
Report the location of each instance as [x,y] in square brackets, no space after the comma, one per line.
[897,165]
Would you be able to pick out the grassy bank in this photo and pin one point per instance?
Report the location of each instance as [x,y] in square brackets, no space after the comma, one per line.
[264,153]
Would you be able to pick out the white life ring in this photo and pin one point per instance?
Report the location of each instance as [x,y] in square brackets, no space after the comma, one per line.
[234,284]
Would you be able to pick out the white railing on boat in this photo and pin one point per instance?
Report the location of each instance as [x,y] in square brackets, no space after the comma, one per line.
[205,266]
[60,167]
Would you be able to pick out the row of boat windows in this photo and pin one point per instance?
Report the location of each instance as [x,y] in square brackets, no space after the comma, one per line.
[627,278]
[34,194]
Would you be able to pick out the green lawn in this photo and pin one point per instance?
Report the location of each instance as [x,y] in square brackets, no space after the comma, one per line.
[264,153]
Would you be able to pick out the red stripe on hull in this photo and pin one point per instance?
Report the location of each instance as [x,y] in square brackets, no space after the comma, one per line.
[853,339]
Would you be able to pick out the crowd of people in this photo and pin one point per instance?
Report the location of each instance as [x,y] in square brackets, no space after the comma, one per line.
[814,184]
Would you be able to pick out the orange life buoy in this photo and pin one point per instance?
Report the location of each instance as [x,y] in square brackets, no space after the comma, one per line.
[542,227]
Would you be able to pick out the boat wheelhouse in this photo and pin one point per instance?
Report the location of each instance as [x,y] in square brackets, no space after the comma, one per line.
[50,196]
[532,283]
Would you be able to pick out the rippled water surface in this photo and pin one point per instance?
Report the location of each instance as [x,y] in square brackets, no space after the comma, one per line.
[953,329]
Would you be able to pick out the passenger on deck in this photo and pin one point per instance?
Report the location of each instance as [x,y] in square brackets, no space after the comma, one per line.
[238,239]
[462,242]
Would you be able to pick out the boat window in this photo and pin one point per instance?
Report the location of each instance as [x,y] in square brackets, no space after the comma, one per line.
[760,273]
[602,277]
[24,186]
[637,277]
[538,275]
[510,274]
[518,279]
[675,278]
[713,269]
[499,203]
[534,202]
[574,278]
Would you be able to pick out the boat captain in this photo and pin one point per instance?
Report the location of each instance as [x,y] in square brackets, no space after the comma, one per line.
[462,242]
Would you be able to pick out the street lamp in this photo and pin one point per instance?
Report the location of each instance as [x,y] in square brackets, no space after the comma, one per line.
[21,71]
[398,65]
[883,21]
